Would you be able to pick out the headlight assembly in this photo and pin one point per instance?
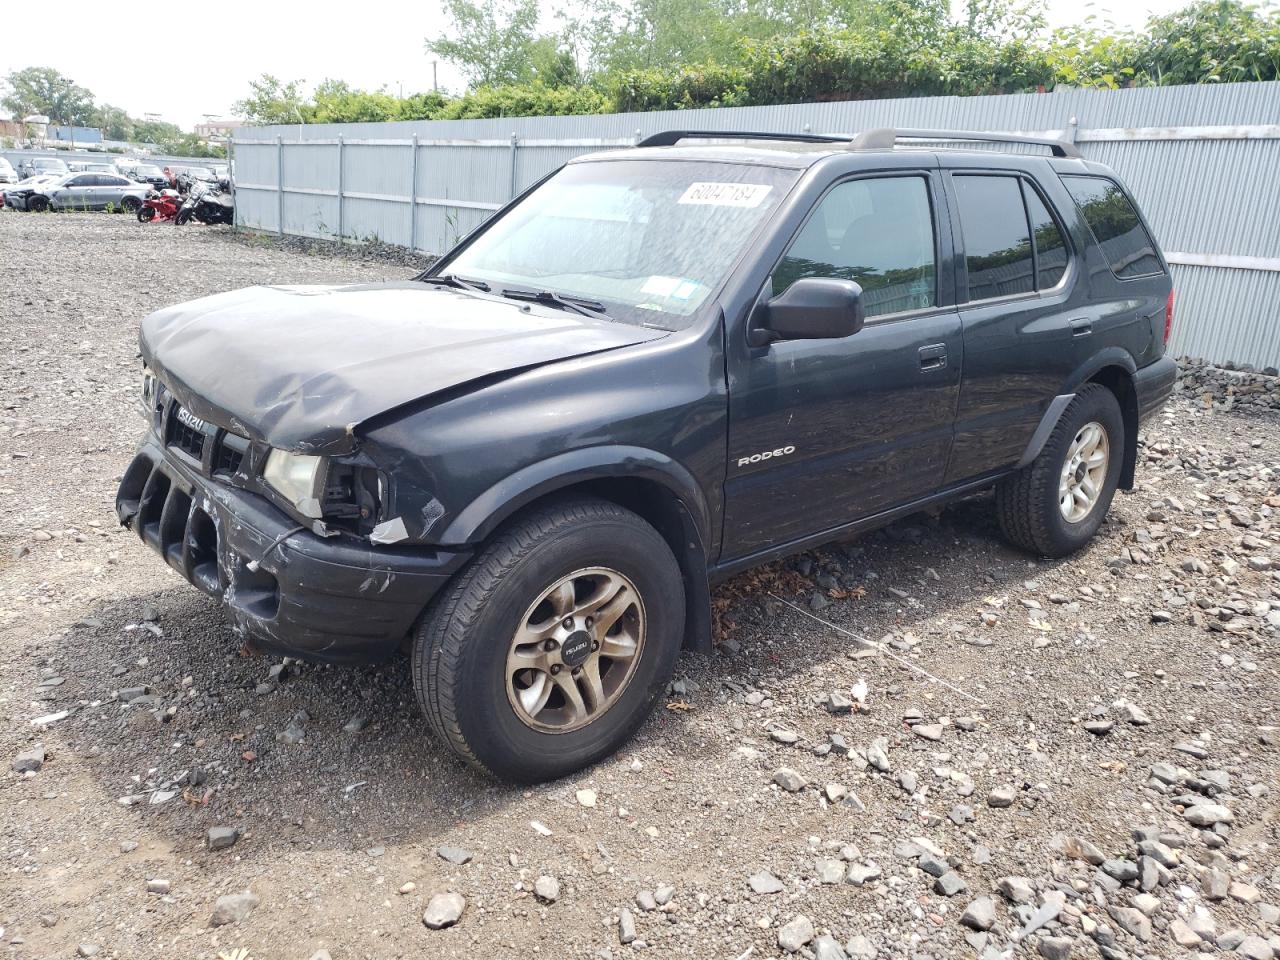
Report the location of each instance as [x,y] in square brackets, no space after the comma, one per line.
[297,478]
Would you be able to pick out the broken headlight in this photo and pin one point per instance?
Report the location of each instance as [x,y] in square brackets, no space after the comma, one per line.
[298,478]
[150,393]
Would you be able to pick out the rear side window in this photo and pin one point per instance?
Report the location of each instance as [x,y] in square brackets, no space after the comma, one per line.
[877,232]
[1125,243]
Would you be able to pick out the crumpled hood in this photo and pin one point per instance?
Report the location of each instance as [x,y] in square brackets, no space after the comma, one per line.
[300,367]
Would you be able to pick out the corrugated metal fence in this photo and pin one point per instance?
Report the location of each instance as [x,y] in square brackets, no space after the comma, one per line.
[1203,162]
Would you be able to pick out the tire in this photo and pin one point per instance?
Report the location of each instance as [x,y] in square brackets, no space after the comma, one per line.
[461,673]
[131,205]
[146,214]
[1028,503]
[183,217]
[38,204]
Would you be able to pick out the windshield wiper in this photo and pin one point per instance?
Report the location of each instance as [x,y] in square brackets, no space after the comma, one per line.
[580,305]
[453,280]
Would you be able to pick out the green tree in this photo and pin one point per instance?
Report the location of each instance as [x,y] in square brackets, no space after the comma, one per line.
[491,41]
[43,90]
[155,131]
[1212,41]
[272,101]
[115,123]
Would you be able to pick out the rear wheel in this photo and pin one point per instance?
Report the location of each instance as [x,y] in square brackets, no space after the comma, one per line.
[131,204]
[1055,505]
[549,650]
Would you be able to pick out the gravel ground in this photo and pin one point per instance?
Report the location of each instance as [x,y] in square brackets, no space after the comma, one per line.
[1041,758]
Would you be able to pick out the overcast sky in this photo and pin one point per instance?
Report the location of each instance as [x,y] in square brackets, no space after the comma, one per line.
[185,73]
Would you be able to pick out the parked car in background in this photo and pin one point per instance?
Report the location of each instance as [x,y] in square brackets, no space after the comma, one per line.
[194,172]
[90,166]
[145,173]
[7,173]
[31,166]
[89,191]
[16,196]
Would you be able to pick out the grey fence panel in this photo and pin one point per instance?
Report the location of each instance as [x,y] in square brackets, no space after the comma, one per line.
[1201,161]
[1226,315]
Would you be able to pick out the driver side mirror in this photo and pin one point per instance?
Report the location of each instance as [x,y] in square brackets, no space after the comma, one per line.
[812,308]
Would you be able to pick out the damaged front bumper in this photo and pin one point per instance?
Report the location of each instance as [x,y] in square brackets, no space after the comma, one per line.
[332,599]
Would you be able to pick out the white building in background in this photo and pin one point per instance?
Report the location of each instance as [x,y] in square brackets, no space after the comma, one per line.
[217,129]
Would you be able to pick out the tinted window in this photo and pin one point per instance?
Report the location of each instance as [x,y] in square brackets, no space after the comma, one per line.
[997,242]
[877,232]
[1125,243]
[84,180]
[1051,247]
[109,180]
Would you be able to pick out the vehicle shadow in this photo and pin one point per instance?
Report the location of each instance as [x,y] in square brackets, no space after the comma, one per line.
[320,757]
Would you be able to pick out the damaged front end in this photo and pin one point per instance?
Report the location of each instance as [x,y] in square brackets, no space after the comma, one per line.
[285,540]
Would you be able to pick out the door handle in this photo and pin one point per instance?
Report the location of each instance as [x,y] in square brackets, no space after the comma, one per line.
[933,357]
[1081,327]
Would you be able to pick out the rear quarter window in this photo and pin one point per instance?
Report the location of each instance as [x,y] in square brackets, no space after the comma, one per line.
[1126,245]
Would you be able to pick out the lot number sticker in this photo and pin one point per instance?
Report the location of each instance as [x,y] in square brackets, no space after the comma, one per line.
[726,194]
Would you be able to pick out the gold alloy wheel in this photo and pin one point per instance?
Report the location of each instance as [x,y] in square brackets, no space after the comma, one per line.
[576,650]
[1084,473]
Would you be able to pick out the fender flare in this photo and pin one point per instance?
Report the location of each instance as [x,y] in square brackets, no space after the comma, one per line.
[482,515]
[1108,357]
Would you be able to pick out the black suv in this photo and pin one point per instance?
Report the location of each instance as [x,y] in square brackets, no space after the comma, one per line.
[654,369]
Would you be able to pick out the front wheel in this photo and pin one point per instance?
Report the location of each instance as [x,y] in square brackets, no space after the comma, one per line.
[38,204]
[183,217]
[550,649]
[146,214]
[1055,505]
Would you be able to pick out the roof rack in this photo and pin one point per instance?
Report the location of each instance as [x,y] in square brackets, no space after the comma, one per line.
[669,138]
[883,138]
[887,137]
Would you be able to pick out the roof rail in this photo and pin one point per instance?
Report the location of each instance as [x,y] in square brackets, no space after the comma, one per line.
[886,137]
[669,138]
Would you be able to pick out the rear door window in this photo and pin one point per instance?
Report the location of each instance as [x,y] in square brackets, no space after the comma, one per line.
[1013,244]
[998,255]
[1126,245]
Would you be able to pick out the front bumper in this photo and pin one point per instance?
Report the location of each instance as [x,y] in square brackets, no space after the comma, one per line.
[330,599]
[1153,384]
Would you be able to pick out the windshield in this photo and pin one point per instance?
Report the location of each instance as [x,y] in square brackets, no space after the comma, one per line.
[49,164]
[649,240]
[146,170]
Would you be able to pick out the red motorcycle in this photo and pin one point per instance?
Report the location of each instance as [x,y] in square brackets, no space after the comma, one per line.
[159,205]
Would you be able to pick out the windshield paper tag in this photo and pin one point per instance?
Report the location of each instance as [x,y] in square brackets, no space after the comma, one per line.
[726,194]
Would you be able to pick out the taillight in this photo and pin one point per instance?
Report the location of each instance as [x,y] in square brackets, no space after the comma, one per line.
[1168,318]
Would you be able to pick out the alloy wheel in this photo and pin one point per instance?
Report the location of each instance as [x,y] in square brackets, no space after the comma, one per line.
[1084,473]
[575,650]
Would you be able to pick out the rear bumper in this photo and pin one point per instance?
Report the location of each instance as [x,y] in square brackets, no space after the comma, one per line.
[329,599]
[1153,385]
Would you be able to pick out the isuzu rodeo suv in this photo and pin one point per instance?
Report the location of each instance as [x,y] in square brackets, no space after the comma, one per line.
[657,367]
